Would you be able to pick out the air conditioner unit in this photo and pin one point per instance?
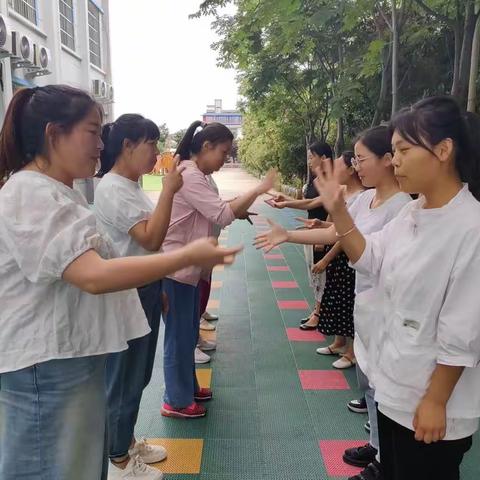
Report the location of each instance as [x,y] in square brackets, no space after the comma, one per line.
[6,46]
[23,49]
[43,57]
[99,89]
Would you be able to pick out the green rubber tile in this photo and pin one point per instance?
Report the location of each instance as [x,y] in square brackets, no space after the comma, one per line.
[233,457]
[283,457]
[235,399]
[224,378]
[228,424]
[161,427]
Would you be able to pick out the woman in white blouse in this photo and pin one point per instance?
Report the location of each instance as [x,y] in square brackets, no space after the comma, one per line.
[60,314]
[425,365]
[136,227]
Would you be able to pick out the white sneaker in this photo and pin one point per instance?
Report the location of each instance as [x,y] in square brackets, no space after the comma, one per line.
[136,469]
[204,325]
[201,357]
[206,345]
[147,452]
[210,317]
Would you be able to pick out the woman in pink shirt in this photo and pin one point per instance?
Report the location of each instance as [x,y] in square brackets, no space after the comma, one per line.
[196,210]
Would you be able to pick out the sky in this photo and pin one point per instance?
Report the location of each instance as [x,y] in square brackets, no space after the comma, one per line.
[162,64]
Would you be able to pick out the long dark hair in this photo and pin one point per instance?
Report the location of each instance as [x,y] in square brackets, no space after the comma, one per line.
[347,157]
[129,126]
[192,142]
[321,149]
[377,139]
[23,132]
[434,119]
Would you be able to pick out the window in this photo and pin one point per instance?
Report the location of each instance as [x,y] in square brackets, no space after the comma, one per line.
[94,34]
[67,29]
[26,8]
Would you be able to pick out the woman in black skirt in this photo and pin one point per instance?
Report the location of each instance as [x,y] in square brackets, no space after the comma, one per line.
[336,310]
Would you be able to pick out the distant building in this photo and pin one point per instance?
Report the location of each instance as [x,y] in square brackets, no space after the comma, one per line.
[233,119]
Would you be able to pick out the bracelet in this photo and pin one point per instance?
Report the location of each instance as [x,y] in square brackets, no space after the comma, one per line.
[346,233]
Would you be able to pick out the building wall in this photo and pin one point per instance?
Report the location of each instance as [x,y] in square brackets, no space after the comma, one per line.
[71,67]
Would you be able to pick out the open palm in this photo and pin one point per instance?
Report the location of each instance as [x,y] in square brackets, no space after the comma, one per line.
[272,238]
[328,187]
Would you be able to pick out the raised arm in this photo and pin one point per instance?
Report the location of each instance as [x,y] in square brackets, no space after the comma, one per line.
[242,203]
[151,233]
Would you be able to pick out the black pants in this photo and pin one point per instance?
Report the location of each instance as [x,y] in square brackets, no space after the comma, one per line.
[404,458]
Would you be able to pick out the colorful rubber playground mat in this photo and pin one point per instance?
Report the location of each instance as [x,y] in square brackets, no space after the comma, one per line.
[279,409]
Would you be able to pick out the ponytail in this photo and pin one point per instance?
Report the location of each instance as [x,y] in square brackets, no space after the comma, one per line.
[12,158]
[22,137]
[106,159]
[130,126]
[185,145]
[192,143]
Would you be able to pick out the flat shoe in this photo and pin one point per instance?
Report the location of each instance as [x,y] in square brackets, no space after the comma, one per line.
[344,362]
[331,351]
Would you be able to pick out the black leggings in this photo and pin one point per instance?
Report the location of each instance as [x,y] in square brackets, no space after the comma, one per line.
[404,458]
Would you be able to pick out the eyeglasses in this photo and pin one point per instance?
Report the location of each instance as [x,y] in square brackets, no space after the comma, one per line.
[357,161]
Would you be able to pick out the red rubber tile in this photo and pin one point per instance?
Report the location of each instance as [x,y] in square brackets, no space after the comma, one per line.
[293,305]
[323,380]
[291,284]
[297,335]
[332,452]
[278,268]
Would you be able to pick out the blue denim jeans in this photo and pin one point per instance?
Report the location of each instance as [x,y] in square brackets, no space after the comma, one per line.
[364,386]
[182,325]
[129,372]
[52,421]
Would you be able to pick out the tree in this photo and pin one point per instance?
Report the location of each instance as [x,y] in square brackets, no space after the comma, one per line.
[178,135]
[164,133]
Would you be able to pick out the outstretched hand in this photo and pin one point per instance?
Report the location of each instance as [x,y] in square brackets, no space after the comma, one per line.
[328,187]
[272,238]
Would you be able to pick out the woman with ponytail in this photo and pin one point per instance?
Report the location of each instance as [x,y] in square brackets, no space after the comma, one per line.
[136,227]
[197,210]
[66,301]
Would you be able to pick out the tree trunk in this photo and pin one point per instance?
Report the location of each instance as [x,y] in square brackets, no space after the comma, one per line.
[395,47]
[457,33]
[472,86]
[466,54]
[382,96]
[340,140]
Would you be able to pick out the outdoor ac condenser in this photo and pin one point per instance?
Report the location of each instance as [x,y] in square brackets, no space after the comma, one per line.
[23,49]
[6,46]
[99,88]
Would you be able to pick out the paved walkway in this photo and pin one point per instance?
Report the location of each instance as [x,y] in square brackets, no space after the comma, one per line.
[279,410]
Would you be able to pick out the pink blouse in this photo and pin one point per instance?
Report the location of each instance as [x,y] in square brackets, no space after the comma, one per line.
[196,209]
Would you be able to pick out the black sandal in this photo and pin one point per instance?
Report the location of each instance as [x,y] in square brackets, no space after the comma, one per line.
[304,327]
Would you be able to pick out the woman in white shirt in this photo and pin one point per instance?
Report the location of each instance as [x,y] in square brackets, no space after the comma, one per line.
[425,361]
[372,210]
[60,314]
[136,227]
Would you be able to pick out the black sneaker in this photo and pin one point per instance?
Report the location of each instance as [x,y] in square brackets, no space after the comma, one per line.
[372,472]
[360,456]
[367,427]
[358,406]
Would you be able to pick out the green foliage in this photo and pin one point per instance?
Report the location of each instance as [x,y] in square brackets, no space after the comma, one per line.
[305,64]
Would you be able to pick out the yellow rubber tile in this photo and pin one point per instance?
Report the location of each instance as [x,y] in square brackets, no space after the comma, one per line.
[213,304]
[216,284]
[184,455]
[204,377]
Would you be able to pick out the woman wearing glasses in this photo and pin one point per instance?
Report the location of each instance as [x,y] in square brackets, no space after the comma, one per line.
[371,211]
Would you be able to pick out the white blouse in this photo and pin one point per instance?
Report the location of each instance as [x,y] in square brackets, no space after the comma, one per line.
[44,227]
[428,265]
[120,204]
